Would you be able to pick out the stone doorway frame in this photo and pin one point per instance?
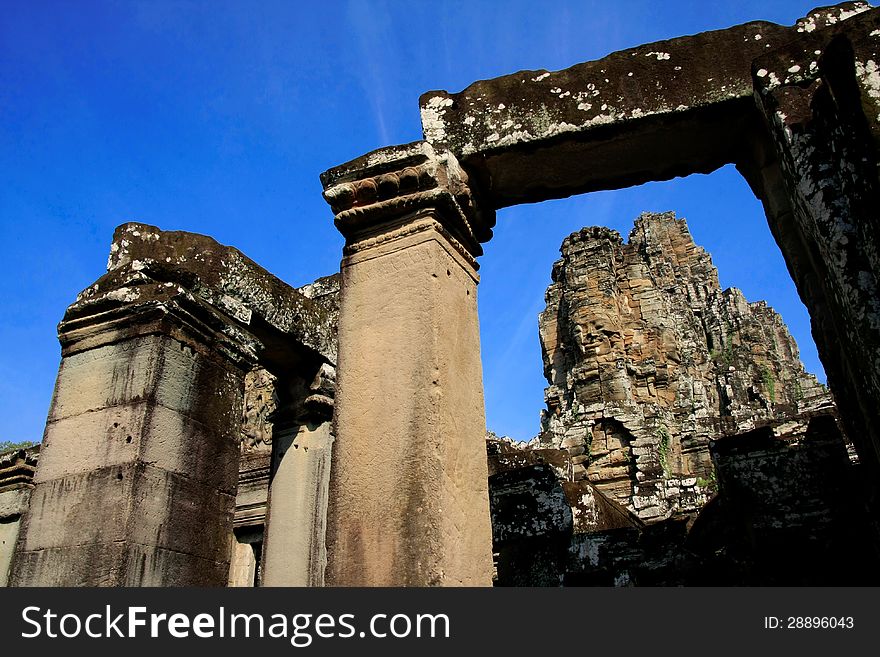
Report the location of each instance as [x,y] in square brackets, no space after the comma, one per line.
[796,109]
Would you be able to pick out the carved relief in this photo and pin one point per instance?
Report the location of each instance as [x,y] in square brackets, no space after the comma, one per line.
[260,400]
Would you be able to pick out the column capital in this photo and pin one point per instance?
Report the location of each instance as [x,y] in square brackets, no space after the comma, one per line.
[128,302]
[159,280]
[384,189]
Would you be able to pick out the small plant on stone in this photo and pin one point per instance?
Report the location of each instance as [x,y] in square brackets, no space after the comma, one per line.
[709,483]
[798,390]
[769,383]
[728,346]
[9,446]
[663,447]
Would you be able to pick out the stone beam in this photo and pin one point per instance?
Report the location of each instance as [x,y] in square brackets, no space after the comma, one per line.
[408,501]
[654,112]
[281,318]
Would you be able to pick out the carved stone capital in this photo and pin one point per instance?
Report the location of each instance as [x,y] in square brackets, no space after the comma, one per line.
[127,302]
[384,188]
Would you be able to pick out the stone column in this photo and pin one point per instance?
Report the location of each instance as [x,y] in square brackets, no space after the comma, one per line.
[820,102]
[295,553]
[243,565]
[16,473]
[408,487]
[136,480]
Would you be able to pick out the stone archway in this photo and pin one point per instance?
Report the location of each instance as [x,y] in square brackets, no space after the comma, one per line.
[795,108]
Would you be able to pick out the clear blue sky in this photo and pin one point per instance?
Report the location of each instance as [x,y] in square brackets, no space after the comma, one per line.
[217,117]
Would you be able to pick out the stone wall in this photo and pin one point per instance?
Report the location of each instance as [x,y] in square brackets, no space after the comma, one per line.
[648,359]
[146,419]
[787,511]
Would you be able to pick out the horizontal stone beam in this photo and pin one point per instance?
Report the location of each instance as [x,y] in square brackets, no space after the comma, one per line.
[661,110]
[149,266]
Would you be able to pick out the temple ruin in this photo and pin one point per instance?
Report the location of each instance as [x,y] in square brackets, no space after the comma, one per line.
[212,425]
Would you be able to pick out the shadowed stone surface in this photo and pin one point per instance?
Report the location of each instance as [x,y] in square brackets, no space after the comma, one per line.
[786,512]
[144,259]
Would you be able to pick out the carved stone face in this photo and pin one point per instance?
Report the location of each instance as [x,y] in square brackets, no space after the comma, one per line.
[600,335]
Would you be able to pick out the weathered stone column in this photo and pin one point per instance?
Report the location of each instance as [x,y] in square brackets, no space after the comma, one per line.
[408,489]
[294,552]
[820,98]
[16,473]
[136,480]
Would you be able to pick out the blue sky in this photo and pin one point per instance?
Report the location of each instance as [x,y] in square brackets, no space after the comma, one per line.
[217,117]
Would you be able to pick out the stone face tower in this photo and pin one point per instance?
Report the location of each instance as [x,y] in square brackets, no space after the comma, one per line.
[648,359]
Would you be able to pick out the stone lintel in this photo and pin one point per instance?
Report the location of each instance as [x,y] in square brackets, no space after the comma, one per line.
[148,263]
[800,62]
[143,307]
[387,187]
[649,113]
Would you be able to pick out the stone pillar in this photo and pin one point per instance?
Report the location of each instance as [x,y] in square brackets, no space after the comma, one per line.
[16,473]
[243,565]
[821,115]
[295,551]
[136,480]
[408,488]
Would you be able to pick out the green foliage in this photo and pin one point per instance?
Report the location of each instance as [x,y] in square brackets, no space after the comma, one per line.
[710,484]
[728,346]
[769,383]
[9,446]
[726,351]
[663,447]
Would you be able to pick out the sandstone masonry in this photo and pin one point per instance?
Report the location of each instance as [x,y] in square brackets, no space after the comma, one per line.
[648,359]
